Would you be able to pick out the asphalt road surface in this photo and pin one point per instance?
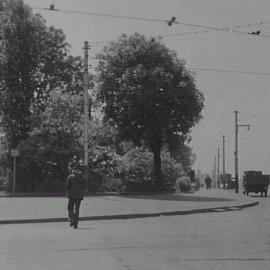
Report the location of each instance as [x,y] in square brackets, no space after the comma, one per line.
[231,240]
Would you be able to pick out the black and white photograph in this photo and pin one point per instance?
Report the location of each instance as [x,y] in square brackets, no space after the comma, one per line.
[134,135]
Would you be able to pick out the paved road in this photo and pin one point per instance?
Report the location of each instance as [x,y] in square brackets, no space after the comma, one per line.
[32,208]
[224,240]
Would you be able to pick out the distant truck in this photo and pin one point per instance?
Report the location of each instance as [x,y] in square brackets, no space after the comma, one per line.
[255,181]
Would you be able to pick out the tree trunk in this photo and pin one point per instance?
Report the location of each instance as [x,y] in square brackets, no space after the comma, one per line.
[157,165]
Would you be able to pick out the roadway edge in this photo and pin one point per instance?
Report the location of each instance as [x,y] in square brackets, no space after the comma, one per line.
[135,215]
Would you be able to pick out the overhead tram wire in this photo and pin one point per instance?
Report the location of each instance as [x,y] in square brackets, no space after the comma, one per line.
[227,28]
[170,22]
[34,76]
[103,15]
[102,42]
[231,71]
[189,69]
[172,18]
[207,29]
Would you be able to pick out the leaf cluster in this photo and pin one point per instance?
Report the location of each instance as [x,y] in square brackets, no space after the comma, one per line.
[147,90]
[37,62]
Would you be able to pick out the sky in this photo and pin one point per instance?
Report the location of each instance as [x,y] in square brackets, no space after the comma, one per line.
[232,69]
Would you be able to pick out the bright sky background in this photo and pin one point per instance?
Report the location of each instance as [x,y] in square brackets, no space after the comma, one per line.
[224,92]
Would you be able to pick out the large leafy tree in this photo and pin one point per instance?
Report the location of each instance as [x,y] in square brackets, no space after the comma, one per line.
[148,93]
[63,112]
[54,142]
[36,61]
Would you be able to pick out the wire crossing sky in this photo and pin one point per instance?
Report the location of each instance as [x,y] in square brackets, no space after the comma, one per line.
[170,22]
[226,44]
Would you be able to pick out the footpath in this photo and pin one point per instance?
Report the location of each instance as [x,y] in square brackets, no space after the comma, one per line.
[17,209]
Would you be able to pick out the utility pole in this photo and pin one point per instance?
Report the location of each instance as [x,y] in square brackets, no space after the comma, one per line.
[236,150]
[236,153]
[218,159]
[223,160]
[86,110]
[215,171]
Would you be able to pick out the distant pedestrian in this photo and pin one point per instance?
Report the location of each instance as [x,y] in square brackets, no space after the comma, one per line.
[75,187]
[208,182]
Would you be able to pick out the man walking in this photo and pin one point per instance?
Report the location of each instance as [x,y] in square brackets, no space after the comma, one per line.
[208,182]
[75,187]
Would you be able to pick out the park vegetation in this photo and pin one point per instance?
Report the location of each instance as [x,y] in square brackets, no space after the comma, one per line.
[144,104]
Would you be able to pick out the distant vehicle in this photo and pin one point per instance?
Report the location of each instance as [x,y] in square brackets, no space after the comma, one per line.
[230,184]
[228,181]
[255,181]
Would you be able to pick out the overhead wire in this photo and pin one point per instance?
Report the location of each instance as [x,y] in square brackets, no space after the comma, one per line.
[101,43]
[174,16]
[103,15]
[35,75]
[206,30]
[228,28]
[205,27]
[189,68]
[232,71]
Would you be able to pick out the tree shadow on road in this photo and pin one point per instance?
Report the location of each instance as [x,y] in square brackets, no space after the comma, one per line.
[179,197]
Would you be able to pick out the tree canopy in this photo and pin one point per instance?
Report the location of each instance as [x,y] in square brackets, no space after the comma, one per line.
[40,97]
[183,154]
[148,93]
[36,62]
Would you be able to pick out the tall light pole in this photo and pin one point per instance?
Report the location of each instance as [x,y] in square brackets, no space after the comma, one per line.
[236,149]
[218,159]
[215,171]
[86,110]
[223,160]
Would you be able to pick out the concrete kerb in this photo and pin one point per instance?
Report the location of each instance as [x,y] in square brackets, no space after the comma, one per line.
[89,194]
[131,216]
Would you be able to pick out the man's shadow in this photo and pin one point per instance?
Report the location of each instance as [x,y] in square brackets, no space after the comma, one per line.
[85,228]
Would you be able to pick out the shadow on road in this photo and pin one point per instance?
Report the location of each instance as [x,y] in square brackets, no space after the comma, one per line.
[258,196]
[178,197]
[85,228]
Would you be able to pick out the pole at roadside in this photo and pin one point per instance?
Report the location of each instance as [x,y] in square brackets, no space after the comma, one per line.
[223,160]
[218,176]
[86,111]
[236,153]
[236,150]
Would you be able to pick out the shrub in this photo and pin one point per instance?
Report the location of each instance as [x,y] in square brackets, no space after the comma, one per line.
[183,184]
[137,168]
[43,162]
[103,161]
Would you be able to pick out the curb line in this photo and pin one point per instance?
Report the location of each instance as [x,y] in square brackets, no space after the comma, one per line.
[130,216]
